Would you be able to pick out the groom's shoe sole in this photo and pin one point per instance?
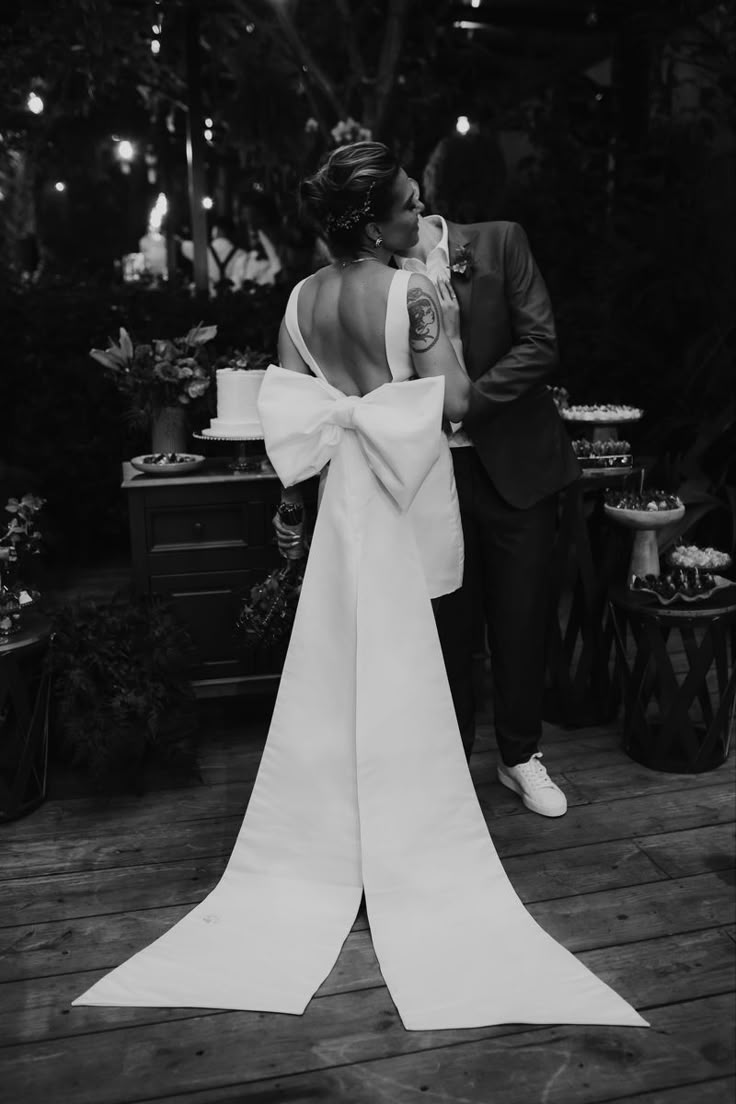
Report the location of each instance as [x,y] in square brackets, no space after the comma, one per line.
[528,801]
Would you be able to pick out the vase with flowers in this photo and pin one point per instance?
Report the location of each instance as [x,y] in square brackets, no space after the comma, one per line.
[20,539]
[161,379]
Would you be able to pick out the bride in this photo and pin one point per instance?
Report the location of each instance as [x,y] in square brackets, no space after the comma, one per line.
[363,787]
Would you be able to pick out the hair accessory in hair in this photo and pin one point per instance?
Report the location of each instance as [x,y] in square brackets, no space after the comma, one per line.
[349,218]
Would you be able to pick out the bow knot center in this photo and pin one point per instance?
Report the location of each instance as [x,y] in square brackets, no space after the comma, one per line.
[344,412]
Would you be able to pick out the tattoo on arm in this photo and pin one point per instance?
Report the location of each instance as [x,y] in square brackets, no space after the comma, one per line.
[424,323]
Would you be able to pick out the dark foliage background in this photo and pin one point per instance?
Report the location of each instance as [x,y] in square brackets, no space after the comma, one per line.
[65,426]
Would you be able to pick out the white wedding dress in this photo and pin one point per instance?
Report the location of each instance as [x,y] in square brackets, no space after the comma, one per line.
[363,786]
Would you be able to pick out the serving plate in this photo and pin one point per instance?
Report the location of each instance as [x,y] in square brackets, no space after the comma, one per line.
[718,581]
[185,462]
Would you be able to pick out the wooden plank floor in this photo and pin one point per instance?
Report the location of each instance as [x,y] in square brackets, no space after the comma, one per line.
[637,880]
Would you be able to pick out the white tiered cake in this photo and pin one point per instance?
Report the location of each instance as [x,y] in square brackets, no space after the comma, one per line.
[237,413]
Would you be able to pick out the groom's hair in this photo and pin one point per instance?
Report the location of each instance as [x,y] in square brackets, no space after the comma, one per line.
[353,186]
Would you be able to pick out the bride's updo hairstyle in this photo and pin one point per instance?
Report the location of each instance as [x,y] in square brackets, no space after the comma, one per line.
[353,187]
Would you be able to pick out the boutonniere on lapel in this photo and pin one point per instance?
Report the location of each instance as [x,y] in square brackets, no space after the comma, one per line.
[462,262]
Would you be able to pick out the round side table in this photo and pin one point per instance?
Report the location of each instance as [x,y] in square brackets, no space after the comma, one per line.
[24,701]
[678,701]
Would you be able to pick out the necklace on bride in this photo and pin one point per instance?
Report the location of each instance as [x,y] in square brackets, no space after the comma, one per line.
[355,260]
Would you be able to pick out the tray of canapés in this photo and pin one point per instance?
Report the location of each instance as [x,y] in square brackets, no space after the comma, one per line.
[598,457]
[601,413]
[681,584]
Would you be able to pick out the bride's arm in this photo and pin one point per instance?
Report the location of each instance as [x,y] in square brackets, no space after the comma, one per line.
[435,344]
[290,537]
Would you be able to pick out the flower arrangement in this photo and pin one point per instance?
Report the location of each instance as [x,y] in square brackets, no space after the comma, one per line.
[245,360]
[21,538]
[160,373]
[266,617]
[350,130]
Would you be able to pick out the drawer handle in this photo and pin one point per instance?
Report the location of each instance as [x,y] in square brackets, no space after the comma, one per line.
[198,529]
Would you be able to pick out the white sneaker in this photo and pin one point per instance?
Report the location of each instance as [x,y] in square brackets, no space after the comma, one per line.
[534,786]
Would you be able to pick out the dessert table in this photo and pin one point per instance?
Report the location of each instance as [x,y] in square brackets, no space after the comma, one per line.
[678,702]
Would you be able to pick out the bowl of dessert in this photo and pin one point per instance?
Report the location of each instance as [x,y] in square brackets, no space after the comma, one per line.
[648,509]
[167,463]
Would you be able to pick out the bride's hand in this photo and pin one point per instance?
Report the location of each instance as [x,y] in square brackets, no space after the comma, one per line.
[449,307]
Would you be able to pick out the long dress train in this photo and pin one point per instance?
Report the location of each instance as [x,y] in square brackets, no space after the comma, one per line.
[363,785]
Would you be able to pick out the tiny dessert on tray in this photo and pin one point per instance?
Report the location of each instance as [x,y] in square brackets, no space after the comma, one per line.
[601,413]
[687,583]
[707,559]
[602,455]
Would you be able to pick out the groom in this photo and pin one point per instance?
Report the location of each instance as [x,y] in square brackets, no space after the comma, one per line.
[511,457]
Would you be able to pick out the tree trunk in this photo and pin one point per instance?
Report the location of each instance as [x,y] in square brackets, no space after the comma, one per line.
[377,104]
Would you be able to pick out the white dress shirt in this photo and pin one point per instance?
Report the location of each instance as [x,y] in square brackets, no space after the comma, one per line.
[436,266]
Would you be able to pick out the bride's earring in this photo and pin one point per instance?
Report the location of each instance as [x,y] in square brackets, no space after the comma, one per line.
[378,243]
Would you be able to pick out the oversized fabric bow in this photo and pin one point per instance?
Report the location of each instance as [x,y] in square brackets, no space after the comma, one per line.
[398,426]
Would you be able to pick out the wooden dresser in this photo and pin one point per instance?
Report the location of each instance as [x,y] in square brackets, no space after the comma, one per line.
[200,541]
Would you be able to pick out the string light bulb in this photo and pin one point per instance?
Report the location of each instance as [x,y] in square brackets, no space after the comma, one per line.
[462,126]
[155,46]
[34,103]
[60,186]
[125,150]
[207,203]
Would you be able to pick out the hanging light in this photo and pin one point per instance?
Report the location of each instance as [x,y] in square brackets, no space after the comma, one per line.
[207,203]
[60,186]
[34,103]
[125,150]
[475,3]
[462,126]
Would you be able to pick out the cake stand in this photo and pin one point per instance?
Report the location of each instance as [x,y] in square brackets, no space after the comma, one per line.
[644,552]
[242,462]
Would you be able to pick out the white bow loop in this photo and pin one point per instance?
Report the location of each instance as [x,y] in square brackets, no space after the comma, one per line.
[398,426]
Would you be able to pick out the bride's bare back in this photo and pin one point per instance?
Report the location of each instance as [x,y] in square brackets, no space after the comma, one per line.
[342,317]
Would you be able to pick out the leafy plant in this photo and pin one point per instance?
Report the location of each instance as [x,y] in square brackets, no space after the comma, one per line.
[121,689]
[21,536]
[162,373]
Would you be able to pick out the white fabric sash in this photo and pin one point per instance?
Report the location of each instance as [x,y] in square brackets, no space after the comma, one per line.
[363,785]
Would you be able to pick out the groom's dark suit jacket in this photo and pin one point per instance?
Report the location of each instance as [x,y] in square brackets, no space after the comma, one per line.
[510,350]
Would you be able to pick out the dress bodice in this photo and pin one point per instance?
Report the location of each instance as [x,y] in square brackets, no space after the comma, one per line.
[396,329]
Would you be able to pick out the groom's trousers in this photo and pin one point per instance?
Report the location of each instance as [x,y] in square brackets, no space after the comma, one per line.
[507,564]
